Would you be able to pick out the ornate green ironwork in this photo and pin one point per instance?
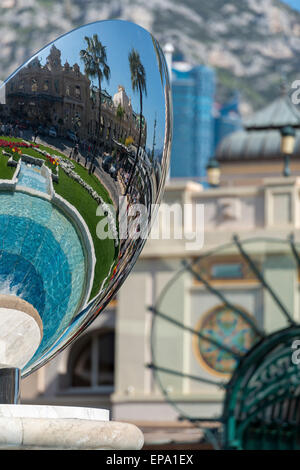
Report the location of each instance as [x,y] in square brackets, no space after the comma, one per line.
[261,408]
[262,405]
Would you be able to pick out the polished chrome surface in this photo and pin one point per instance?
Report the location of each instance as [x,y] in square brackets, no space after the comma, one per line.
[85,138]
[10,385]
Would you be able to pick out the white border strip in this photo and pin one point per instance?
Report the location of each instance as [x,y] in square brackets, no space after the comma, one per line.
[88,244]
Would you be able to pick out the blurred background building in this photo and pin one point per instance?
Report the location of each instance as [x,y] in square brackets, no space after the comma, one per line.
[107,366]
[227,119]
[193,132]
[200,123]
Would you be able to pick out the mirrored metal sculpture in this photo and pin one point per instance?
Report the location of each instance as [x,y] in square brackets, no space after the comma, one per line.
[84,148]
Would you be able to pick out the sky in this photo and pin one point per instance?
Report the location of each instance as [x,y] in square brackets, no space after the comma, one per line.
[293,3]
[119,38]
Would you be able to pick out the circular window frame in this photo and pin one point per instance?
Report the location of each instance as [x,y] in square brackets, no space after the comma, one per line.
[195,340]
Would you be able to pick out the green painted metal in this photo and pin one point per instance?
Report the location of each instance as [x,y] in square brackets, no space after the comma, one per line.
[188,376]
[262,399]
[262,280]
[262,404]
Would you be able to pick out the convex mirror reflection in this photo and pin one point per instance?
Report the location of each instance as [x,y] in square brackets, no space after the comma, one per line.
[85,132]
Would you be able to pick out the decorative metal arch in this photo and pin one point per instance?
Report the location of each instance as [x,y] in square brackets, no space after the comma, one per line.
[261,407]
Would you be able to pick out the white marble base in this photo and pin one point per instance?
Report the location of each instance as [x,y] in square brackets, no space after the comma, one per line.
[21,331]
[63,427]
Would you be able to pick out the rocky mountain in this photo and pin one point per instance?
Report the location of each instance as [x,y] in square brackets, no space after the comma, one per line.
[252,43]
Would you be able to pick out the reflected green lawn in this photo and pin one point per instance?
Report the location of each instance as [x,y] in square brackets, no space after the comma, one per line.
[6,172]
[105,251]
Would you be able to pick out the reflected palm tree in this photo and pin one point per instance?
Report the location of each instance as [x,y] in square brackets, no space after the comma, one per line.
[138,83]
[162,66]
[95,66]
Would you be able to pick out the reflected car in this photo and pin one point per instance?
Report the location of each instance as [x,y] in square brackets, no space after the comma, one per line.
[71,136]
[107,162]
[113,171]
[42,130]
[52,132]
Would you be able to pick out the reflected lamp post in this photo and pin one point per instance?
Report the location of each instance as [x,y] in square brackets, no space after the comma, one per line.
[77,124]
[76,121]
[213,172]
[288,138]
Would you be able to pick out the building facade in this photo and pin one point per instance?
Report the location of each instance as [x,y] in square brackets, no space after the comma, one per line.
[193,90]
[227,120]
[74,102]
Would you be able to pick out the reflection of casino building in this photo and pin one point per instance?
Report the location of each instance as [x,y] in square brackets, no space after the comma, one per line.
[60,95]
[106,367]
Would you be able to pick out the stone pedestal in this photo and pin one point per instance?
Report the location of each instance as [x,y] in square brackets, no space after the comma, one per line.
[63,427]
[21,331]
